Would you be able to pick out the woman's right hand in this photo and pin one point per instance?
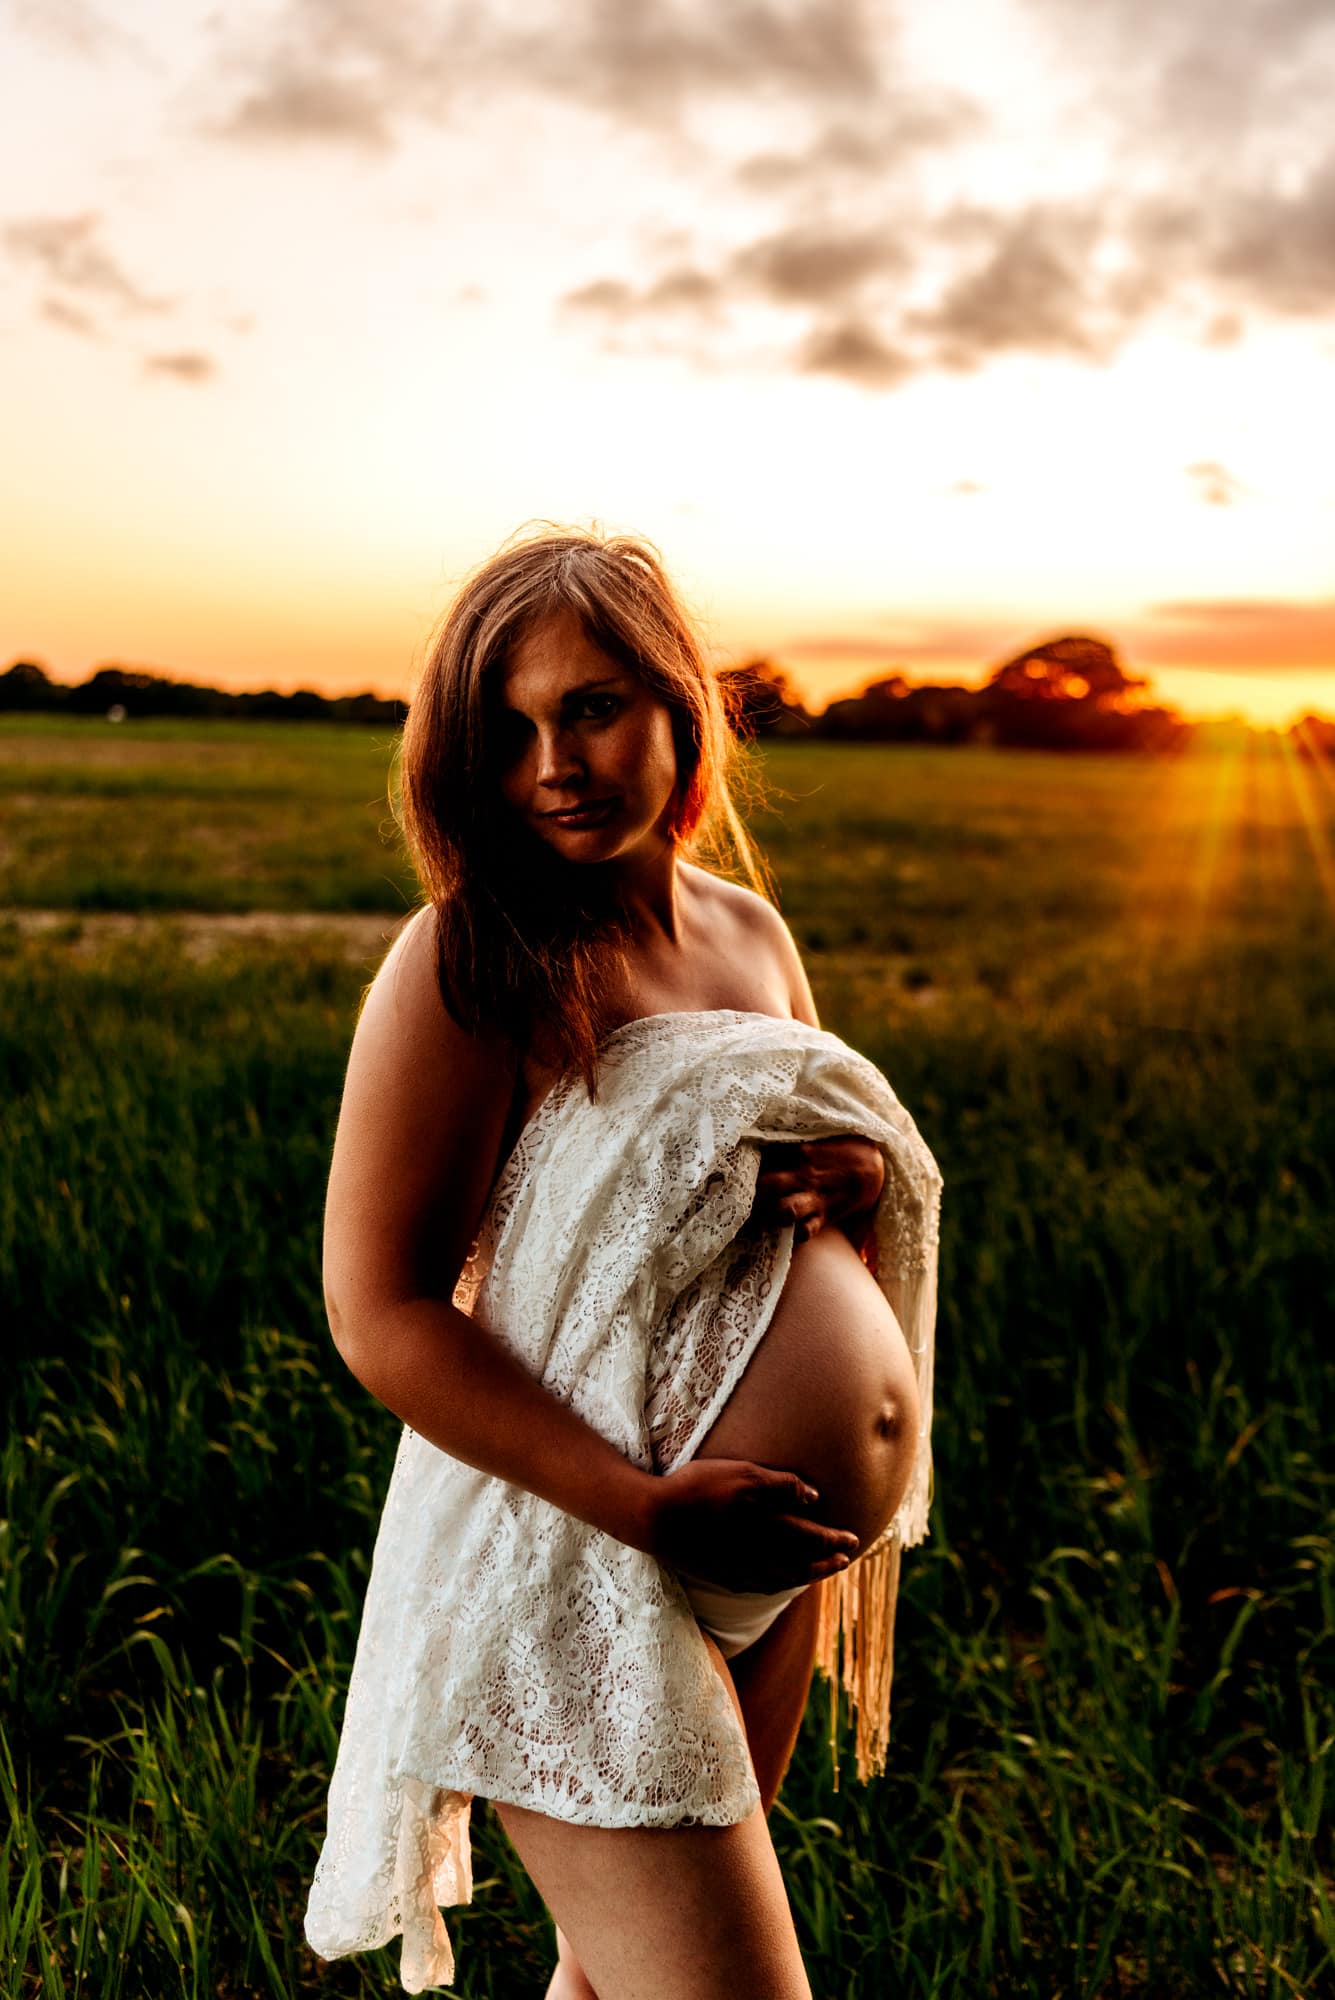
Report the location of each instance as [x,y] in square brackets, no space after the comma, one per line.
[744,1526]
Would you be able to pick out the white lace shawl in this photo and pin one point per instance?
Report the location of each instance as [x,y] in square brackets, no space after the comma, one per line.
[508,1649]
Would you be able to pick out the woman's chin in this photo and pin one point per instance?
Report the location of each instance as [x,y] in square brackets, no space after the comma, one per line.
[590,843]
[612,841]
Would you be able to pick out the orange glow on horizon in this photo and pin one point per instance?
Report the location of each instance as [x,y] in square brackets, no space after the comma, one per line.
[1265,701]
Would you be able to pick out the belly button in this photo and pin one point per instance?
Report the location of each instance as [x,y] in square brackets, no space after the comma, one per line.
[890,1422]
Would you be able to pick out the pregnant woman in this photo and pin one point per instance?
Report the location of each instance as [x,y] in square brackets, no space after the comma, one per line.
[646,1263]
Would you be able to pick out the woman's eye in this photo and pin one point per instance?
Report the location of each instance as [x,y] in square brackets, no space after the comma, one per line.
[599,706]
[511,737]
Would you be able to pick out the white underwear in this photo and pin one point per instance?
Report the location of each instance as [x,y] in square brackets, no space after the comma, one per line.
[734,1619]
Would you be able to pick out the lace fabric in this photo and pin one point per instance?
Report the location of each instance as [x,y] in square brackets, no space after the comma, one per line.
[510,1651]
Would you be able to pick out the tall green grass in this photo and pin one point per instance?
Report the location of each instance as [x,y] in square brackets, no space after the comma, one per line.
[1113,1719]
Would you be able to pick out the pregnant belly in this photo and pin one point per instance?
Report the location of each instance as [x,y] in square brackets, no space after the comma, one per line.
[830,1391]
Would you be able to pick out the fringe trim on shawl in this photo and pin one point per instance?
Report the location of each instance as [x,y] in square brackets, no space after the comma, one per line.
[855,1650]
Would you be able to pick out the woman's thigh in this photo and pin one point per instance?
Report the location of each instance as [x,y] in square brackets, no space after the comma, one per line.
[667,1913]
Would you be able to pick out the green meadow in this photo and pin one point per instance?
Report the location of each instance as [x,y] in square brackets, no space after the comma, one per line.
[1105,989]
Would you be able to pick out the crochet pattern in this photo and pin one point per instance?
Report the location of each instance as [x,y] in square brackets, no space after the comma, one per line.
[511,1651]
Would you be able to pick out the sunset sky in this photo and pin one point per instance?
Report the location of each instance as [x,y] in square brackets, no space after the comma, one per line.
[911,334]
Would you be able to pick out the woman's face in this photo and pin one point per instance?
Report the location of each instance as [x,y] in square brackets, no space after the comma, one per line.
[587,757]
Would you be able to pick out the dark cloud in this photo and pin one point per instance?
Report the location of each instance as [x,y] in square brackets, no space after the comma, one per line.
[1214,484]
[649,62]
[350,71]
[67,252]
[185,367]
[807,265]
[795,267]
[302,105]
[1031,291]
[854,351]
[1028,290]
[1278,251]
[801,267]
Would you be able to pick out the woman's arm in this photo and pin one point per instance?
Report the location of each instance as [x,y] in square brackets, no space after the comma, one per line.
[419,1131]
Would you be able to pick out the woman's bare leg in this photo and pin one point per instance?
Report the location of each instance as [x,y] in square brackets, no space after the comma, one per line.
[773,1680]
[770,1682]
[664,1913]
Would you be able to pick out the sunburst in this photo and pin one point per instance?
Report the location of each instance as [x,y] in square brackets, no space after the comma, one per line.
[1310,803]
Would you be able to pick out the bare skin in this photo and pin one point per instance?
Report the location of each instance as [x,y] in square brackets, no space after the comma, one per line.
[426,1113]
[769,1682]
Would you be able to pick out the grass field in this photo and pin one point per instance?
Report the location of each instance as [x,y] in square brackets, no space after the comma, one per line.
[1104,987]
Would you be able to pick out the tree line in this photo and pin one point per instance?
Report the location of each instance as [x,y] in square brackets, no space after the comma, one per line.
[121,692]
[1067,693]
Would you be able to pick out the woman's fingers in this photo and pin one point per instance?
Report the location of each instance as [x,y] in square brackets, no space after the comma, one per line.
[831,1541]
[829,1566]
[799,1205]
[776,1482]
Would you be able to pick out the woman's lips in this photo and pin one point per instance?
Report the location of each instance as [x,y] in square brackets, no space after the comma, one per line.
[592,813]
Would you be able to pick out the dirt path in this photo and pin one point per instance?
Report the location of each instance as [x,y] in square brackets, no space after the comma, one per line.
[200,935]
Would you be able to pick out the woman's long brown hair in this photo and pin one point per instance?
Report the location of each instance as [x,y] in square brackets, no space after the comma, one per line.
[528,943]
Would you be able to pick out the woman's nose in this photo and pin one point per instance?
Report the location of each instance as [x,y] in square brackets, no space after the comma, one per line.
[558,763]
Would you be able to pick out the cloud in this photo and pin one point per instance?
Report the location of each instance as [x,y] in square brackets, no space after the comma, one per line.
[1030,291]
[67,252]
[187,366]
[856,353]
[73,26]
[1278,250]
[1198,137]
[899,126]
[1214,484]
[1239,635]
[1189,77]
[298,106]
[650,62]
[807,264]
[60,313]
[799,266]
[352,73]
[679,289]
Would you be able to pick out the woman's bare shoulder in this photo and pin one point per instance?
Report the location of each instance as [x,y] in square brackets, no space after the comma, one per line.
[757,928]
[406,991]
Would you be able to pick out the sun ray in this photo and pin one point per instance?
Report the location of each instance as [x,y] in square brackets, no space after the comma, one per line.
[1323,765]
[1314,821]
[1190,844]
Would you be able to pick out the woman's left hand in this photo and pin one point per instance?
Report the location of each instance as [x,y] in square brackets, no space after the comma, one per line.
[813,1182]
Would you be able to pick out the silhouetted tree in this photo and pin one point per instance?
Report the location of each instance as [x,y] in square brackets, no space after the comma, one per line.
[26,685]
[1074,668]
[1314,737]
[1072,693]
